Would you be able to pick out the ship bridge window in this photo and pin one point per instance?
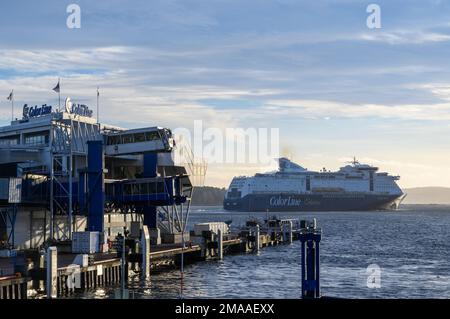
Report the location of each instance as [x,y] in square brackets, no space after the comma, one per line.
[127,138]
[133,138]
[324,177]
[143,188]
[151,136]
[113,140]
[139,137]
[152,188]
[234,193]
[353,177]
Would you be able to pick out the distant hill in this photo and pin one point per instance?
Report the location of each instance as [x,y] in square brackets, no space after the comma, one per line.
[427,195]
[208,196]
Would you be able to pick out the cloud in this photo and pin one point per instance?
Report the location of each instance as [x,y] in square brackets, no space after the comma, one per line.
[61,60]
[441,90]
[125,105]
[404,37]
[318,109]
[131,80]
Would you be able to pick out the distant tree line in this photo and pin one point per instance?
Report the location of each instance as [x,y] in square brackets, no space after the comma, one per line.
[208,196]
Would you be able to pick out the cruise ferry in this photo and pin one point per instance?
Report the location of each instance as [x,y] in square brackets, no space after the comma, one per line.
[353,187]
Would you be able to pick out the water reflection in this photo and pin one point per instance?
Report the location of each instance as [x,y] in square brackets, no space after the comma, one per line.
[413,260]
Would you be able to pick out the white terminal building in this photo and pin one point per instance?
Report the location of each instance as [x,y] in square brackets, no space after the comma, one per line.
[42,160]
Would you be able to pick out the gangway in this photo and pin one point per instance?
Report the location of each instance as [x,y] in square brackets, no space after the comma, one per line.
[143,191]
[138,141]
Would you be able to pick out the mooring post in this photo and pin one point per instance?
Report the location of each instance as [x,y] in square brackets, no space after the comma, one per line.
[123,293]
[52,272]
[220,243]
[310,237]
[257,238]
[145,246]
[290,239]
[284,232]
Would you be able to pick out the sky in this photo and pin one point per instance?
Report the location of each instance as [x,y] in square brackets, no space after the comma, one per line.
[313,69]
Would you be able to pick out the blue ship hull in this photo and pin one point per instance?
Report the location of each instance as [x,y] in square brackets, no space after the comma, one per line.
[311,202]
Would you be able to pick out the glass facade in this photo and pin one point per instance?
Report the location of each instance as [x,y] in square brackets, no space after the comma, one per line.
[40,138]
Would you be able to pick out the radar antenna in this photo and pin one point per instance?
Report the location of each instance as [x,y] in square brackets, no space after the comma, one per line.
[354,162]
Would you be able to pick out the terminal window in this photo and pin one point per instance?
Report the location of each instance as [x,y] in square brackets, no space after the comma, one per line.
[10,140]
[36,139]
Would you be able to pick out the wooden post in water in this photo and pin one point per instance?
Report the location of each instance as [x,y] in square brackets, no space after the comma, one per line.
[257,239]
[145,247]
[124,268]
[52,272]
[290,239]
[220,243]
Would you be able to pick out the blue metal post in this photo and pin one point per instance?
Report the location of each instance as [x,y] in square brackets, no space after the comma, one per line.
[177,187]
[150,164]
[303,270]
[150,216]
[96,186]
[310,271]
[82,190]
[317,252]
[150,170]
[310,261]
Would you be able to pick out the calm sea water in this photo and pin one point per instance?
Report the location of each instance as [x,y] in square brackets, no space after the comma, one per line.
[411,246]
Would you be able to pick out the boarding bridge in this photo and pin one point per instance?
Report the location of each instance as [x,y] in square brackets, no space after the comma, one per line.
[174,158]
[155,191]
[138,141]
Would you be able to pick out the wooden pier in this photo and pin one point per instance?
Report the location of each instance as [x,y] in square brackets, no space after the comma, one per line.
[105,269]
[13,287]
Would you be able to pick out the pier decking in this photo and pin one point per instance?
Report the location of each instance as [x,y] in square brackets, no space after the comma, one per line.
[105,269]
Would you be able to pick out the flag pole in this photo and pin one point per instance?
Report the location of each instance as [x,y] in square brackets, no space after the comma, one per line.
[98,121]
[12,106]
[59,94]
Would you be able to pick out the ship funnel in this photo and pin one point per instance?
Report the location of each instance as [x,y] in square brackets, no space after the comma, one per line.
[286,165]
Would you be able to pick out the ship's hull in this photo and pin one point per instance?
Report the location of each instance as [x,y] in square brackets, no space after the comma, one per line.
[312,202]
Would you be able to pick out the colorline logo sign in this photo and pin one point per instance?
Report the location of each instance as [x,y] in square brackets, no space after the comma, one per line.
[36,111]
[278,201]
[78,109]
